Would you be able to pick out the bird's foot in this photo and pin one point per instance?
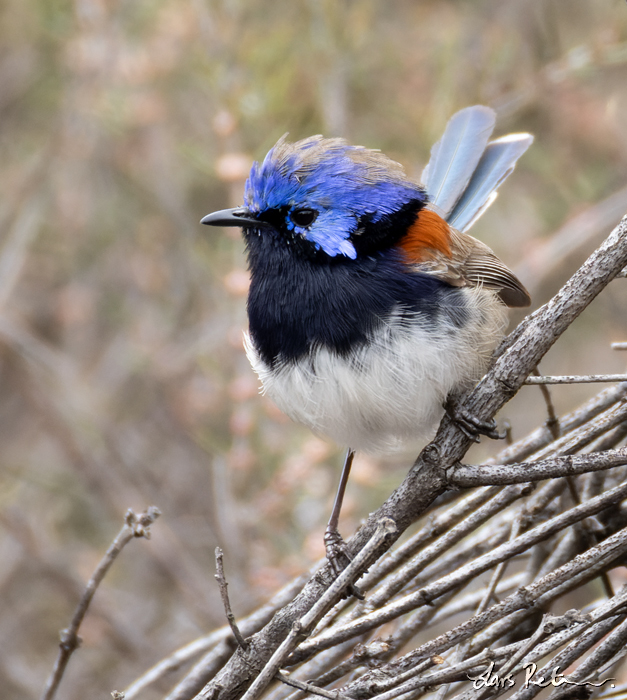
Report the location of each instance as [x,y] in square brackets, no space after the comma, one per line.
[338,559]
[470,425]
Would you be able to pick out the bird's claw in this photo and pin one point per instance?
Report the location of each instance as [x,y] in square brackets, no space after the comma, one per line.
[338,560]
[471,426]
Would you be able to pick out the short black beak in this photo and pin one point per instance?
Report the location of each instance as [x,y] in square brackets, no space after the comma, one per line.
[231,217]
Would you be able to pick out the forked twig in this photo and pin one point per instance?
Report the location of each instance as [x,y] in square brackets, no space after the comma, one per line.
[134,526]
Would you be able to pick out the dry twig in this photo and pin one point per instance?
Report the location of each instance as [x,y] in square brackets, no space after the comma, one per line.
[134,526]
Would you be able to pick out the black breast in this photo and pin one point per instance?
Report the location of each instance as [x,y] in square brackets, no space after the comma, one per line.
[296,304]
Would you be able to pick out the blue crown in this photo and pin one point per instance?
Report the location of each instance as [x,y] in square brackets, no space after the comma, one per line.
[343,184]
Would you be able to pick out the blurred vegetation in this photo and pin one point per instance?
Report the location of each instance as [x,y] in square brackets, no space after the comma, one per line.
[123,380]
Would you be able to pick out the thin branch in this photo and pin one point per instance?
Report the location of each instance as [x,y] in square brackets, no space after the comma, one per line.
[549,625]
[577,379]
[457,672]
[433,529]
[511,654]
[418,620]
[615,641]
[177,659]
[552,421]
[361,654]
[134,526]
[559,631]
[285,677]
[204,670]
[499,571]
[610,439]
[224,592]
[326,668]
[471,600]
[466,476]
[445,542]
[569,655]
[577,439]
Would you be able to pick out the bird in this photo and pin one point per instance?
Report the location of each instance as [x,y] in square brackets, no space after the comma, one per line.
[370,306]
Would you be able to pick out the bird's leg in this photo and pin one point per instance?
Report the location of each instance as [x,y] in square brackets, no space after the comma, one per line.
[469,424]
[333,542]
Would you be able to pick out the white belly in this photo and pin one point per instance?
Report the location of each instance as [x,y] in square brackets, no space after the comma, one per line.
[390,393]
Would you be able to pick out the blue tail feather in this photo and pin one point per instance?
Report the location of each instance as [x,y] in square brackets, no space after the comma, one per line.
[464,170]
[456,155]
[496,164]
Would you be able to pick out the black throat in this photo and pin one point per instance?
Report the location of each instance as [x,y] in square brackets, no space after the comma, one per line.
[297,304]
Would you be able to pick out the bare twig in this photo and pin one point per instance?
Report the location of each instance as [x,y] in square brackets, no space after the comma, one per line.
[465,476]
[558,631]
[285,677]
[578,379]
[454,535]
[223,585]
[134,526]
[575,650]
[498,572]
[217,651]
[433,529]
[552,421]
[456,672]
[577,439]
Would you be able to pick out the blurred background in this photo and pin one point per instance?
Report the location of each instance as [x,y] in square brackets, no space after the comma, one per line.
[123,382]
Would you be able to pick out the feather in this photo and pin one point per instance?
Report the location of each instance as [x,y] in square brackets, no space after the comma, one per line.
[479,266]
[496,164]
[468,263]
[428,233]
[456,155]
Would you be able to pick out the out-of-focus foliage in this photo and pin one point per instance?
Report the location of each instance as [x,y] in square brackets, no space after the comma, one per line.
[123,381]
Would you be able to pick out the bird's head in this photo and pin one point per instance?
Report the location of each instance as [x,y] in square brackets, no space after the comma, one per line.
[326,200]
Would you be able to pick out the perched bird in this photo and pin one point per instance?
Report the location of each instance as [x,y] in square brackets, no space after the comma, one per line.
[369,305]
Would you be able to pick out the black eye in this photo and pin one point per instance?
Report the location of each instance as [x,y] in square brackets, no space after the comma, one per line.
[304,217]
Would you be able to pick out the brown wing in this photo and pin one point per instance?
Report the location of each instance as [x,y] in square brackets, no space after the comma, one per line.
[459,259]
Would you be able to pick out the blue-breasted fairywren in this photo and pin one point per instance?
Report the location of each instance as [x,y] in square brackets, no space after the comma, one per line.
[369,305]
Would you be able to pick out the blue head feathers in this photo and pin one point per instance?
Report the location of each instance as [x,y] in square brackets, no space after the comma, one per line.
[342,199]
